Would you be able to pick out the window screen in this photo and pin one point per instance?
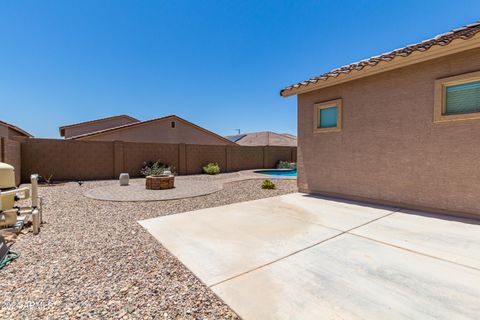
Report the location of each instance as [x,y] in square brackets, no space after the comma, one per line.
[463,98]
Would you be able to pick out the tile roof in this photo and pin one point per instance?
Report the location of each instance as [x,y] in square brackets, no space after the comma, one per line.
[463,33]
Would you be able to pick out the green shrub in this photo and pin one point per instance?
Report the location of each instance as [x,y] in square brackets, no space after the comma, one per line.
[157,168]
[286,165]
[267,184]
[212,168]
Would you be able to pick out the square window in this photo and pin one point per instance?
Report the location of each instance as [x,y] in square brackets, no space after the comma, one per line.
[457,98]
[327,116]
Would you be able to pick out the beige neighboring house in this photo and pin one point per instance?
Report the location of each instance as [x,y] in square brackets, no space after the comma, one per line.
[169,129]
[10,131]
[401,128]
[265,138]
[78,129]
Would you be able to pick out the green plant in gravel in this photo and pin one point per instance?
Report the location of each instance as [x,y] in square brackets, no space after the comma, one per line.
[267,184]
[212,168]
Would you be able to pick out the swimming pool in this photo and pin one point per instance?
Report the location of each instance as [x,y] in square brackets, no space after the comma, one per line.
[278,172]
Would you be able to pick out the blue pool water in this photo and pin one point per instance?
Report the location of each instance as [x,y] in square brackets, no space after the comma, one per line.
[284,173]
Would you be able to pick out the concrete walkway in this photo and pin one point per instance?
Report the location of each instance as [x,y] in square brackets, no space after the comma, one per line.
[303,257]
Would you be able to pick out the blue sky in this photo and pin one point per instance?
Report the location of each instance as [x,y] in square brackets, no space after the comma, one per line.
[219,64]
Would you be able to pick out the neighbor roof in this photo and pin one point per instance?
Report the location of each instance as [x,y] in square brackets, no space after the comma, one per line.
[62,128]
[264,138]
[21,131]
[442,40]
[141,123]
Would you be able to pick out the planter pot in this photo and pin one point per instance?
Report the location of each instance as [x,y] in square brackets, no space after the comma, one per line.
[159,182]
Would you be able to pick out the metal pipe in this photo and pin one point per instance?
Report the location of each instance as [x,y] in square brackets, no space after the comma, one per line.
[40,210]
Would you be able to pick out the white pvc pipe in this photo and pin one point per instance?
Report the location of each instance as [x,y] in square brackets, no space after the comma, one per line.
[35,221]
[34,182]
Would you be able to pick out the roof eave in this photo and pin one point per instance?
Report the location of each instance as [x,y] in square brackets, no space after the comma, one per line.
[436,51]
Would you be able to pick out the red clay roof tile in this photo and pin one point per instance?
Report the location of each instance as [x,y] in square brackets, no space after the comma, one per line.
[444,39]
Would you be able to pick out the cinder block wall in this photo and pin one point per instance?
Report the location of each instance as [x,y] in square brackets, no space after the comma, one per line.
[88,160]
[67,160]
[389,149]
[10,152]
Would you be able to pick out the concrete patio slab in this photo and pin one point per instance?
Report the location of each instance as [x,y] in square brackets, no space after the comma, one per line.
[350,277]
[302,257]
[222,242]
[334,213]
[453,239]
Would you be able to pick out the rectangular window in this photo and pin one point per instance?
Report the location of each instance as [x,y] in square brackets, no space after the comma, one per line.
[327,116]
[457,98]
[462,98]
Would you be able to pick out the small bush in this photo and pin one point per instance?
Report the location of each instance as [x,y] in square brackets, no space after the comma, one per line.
[267,184]
[286,165]
[212,168]
[157,168]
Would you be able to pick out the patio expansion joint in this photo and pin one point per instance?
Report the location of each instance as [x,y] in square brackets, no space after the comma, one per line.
[306,248]
[416,252]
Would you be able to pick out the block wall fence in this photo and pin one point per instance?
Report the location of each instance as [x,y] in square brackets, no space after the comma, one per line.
[88,160]
[10,153]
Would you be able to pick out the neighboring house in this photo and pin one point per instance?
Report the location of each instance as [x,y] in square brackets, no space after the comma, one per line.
[78,129]
[10,131]
[265,138]
[400,128]
[169,129]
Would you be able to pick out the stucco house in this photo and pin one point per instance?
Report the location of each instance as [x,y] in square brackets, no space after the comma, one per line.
[10,131]
[77,129]
[169,129]
[401,128]
[264,138]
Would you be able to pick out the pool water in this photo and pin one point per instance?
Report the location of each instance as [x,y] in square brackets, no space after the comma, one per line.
[283,173]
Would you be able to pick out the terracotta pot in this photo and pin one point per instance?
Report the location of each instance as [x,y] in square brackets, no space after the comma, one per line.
[159,182]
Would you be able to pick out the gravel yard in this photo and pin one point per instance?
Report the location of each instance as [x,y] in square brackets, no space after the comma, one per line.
[92,259]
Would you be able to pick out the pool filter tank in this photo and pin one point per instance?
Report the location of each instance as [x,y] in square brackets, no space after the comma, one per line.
[8,214]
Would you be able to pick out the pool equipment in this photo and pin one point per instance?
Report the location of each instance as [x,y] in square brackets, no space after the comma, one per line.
[12,216]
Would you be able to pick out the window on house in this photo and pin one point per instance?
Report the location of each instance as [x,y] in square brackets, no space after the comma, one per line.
[328,116]
[172,124]
[457,98]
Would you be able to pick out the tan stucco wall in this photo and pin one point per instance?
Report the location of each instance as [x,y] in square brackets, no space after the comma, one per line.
[161,132]
[4,131]
[96,126]
[7,132]
[389,148]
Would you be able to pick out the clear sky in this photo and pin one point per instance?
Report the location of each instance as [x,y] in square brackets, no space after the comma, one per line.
[219,64]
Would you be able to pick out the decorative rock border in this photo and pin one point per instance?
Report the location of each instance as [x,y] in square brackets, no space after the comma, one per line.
[185,187]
